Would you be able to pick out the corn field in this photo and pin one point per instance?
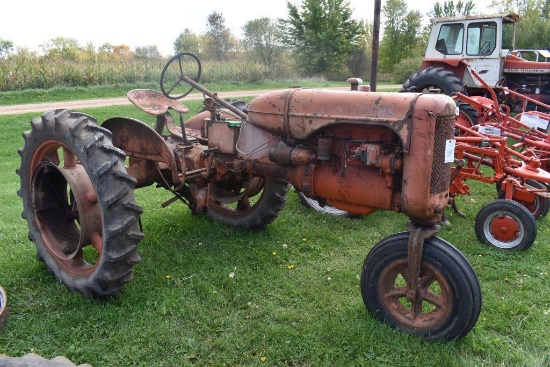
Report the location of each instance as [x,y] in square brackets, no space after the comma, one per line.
[22,72]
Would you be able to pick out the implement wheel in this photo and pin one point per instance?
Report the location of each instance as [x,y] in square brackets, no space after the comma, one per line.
[79,203]
[448,295]
[507,225]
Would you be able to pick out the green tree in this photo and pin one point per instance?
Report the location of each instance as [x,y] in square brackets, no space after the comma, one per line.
[260,38]
[61,47]
[360,58]
[219,41]
[401,38]
[450,9]
[322,34]
[188,42]
[147,53]
[533,30]
[6,46]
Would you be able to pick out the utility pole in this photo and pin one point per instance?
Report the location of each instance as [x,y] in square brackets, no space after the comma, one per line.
[375,43]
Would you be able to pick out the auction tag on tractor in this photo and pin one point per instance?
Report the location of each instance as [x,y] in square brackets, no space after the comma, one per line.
[490,130]
[450,150]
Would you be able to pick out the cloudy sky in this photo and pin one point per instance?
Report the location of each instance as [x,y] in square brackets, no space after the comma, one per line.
[134,23]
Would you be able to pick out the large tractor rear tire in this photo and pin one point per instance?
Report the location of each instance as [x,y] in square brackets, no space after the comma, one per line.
[253,204]
[434,78]
[79,203]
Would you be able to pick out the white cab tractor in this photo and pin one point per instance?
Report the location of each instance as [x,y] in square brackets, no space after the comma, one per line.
[484,44]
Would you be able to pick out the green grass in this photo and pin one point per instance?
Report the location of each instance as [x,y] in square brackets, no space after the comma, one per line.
[295,305]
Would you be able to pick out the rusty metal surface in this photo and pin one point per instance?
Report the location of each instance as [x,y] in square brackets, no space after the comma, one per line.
[425,159]
[377,152]
[141,142]
[413,316]
[154,102]
[222,136]
[64,196]
[297,113]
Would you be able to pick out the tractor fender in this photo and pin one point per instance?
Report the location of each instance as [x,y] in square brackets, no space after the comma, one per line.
[456,66]
[141,143]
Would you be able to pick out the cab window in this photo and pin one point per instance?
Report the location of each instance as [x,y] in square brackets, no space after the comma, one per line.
[450,39]
[482,39]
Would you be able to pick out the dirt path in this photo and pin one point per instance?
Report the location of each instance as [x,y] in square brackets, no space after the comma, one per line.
[120,101]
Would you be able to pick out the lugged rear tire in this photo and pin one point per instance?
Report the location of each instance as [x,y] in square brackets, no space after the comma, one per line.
[79,203]
[254,206]
[434,78]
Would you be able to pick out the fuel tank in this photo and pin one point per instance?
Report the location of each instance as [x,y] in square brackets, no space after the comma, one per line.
[297,113]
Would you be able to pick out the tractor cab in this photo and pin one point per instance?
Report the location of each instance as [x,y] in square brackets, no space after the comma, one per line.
[475,39]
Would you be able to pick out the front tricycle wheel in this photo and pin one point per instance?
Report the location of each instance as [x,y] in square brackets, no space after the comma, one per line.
[448,295]
[79,203]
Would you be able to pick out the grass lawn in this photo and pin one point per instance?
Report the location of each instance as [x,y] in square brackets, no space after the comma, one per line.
[206,294]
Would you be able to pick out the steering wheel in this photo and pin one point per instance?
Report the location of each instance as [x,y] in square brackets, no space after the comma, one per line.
[501,82]
[172,79]
[486,48]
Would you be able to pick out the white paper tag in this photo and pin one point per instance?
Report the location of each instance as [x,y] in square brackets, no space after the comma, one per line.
[490,130]
[450,150]
[534,121]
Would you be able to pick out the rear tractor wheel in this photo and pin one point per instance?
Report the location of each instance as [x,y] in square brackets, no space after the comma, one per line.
[252,203]
[434,78]
[79,203]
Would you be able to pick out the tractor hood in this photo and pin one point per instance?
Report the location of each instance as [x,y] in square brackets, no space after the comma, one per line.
[297,113]
[517,65]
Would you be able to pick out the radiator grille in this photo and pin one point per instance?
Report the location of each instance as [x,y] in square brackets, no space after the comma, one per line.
[441,171]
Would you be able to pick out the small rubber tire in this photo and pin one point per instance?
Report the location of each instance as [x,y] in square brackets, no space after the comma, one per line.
[449,290]
[506,225]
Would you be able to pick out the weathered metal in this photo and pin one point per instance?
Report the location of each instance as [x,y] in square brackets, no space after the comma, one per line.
[355,150]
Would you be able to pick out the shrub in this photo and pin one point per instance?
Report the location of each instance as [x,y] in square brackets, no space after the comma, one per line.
[406,68]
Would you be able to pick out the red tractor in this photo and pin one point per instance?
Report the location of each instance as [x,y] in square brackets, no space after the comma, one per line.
[479,41]
[358,151]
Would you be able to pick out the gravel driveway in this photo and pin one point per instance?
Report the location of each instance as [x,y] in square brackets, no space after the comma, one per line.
[120,101]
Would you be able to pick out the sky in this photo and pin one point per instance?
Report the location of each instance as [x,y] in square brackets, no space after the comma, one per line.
[136,23]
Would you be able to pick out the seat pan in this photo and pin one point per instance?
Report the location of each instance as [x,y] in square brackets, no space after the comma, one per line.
[154,102]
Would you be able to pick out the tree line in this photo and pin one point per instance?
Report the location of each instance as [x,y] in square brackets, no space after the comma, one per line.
[318,38]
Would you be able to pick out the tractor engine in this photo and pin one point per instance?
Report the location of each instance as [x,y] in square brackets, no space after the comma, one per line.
[358,151]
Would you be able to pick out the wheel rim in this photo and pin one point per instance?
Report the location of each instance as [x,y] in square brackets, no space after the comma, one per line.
[504,229]
[432,305]
[537,207]
[66,209]
[328,209]
[236,200]
[533,206]
[430,87]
